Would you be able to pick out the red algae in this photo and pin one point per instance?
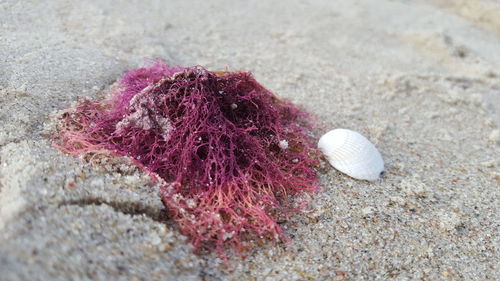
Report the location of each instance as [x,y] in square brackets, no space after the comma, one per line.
[228,154]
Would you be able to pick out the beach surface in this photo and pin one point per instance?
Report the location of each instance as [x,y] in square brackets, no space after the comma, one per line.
[420,79]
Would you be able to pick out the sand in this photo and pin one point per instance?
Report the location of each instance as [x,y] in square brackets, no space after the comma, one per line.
[421,79]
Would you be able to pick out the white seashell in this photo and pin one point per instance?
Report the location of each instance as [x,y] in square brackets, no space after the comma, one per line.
[351,153]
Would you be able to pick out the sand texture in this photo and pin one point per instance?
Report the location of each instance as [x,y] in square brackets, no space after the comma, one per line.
[421,79]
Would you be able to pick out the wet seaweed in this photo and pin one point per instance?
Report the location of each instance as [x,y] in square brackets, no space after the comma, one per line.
[229,155]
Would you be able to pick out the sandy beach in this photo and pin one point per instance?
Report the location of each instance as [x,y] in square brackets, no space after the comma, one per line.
[420,79]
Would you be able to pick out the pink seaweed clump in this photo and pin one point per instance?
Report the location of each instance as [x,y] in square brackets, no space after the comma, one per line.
[228,154]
